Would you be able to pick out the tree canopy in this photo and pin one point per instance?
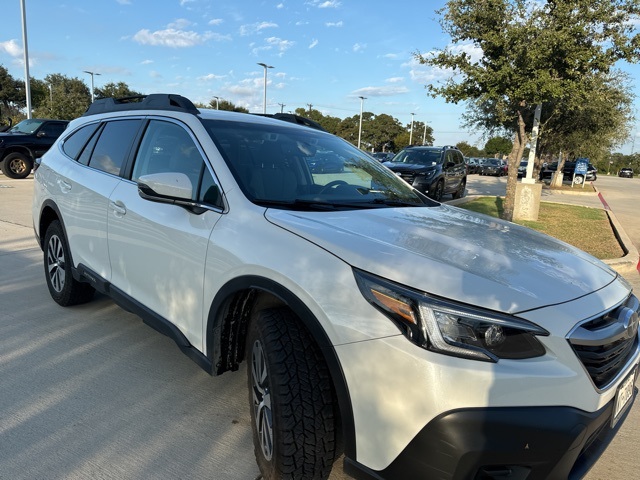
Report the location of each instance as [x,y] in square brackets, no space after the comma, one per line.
[527,53]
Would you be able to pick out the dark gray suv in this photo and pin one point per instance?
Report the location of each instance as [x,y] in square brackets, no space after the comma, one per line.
[434,171]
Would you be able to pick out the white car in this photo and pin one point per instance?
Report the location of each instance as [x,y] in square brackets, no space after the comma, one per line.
[420,340]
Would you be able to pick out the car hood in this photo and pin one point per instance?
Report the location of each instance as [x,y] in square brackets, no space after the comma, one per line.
[408,167]
[449,252]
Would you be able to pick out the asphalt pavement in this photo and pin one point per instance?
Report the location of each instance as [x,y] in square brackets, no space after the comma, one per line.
[92,392]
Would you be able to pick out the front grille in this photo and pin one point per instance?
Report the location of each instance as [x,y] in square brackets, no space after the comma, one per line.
[605,344]
[408,177]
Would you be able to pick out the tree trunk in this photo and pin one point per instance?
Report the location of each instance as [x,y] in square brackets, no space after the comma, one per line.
[519,143]
[558,176]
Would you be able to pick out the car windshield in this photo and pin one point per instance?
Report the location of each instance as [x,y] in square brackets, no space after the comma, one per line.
[418,157]
[492,162]
[291,167]
[26,126]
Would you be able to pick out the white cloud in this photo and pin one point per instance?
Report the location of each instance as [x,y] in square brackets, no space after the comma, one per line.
[325,3]
[211,76]
[391,56]
[124,2]
[280,44]
[11,47]
[154,74]
[386,91]
[395,80]
[180,24]
[175,38]
[280,5]
[359,46]
[334,24]
[146,62]
[313,43]
[426,74]
[216,21]
[250,29]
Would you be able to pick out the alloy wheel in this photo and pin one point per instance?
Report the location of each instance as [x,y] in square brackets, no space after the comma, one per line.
[56,263]
[262,399]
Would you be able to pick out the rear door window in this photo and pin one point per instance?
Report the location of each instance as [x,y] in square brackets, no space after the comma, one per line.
[114,145]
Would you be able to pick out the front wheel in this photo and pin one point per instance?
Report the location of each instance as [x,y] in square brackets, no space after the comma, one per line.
[16,165]
[64,289]
[438,192]
[460,192]
[293,407]
[578,180]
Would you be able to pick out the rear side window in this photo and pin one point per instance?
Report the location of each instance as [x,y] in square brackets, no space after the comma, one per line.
[53,129]
[114,145]
[74,144]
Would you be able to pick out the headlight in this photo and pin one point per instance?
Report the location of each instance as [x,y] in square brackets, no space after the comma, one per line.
[452,328]
[428,174]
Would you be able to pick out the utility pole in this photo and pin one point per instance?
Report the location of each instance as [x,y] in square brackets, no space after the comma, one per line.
[309,105]
[411,131]
[27,80]
[282,105]
[362,99]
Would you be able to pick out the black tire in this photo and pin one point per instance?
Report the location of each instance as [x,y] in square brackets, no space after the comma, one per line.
[64,289]
[16,165]
[578,180]
[438,192]
[460,192]
[293,407]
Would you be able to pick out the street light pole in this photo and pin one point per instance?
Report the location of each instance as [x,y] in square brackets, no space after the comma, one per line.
[362,99]
[264,103]
[27,81]
[217,104]
[92,74]
[411,131]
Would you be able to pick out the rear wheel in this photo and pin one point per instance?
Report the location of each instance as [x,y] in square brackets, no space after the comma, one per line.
[578,180]
[293,413]
[16,165]
[64,289]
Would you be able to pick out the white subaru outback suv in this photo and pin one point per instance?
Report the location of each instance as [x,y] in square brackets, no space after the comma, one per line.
[418,339]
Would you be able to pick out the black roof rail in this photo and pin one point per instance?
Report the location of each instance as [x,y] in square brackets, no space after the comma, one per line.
[155,101]
[293,118]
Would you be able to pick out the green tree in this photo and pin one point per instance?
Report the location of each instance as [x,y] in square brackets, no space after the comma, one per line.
[58,96]
[498,146]
[469,150]
[226,105]
[115,90]
[530,53]
[12,97]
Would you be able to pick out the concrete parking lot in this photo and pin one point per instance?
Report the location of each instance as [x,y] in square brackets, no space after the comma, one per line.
[92,392]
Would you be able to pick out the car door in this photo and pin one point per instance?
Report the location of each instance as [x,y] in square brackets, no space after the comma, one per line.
[45,137]
[158,250]
[97,151]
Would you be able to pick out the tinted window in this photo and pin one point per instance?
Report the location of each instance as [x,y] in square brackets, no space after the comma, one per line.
[53,130]
[113,145]
[73,145]
[167,147]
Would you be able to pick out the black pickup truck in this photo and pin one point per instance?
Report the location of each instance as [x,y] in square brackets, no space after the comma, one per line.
[26,141]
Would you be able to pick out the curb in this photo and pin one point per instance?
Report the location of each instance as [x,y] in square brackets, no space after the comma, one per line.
[628,263]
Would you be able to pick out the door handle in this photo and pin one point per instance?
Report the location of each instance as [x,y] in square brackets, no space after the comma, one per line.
[64,186]
[118,208]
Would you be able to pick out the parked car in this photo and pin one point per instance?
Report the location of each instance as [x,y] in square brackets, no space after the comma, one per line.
[382,156]
[473,166]
[546,174]
[24,142]
[434,171]
[492,166]
[326,164]
[418,339]
[626,172]
[522,168]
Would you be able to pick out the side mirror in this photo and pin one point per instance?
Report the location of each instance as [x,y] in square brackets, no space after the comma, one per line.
[169,187]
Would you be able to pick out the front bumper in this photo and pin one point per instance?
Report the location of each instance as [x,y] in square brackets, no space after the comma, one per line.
[507,443]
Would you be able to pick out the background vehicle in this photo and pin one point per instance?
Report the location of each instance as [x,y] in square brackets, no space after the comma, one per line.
[492,166]
[23,143]
[522,168]
[546,174]
[626,172]
[434,171]
[382,156]
[473,166]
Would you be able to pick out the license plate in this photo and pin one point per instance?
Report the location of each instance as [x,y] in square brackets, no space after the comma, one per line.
[623,397]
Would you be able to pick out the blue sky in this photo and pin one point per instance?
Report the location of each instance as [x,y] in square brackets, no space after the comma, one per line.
[326,53]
